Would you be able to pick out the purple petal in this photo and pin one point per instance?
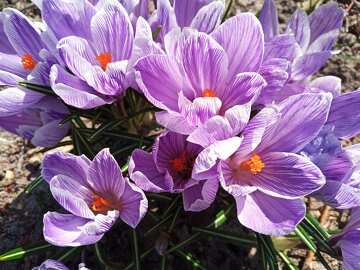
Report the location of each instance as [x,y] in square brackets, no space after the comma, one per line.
[306,65]
[254,131]
[12,64]
[74,167]
[282,46]
[50,134]
[101,223]
[143,171]
[72,195]
[160,68]
[9,79]
[67,230]
[245,87]
[219,150]
[174,122]
[299,24]
[112,32]
[72,17]
[5,46]
[288,175]
[329,84]
[51,265]
[22,34]
[350,253]
[133,204]
[185,10]
[14,100]
[344,114]
[274,216]
[105,176]
[339,167]
[234,35]
[164,19]
[302,117]
[208,17]
[269,19]
[324,19]
[200,196]
[324,42]
[74,91]
[205,63]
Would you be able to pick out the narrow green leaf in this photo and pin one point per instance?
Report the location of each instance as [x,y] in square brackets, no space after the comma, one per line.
[99,254]
[317,226]
[287,261]
[136,250]
[84,142]
[171,206]
[20,252]
[190,258]
[34,184]
[157,225]
[227,11]
[101,130]
[322,260]
[163,263]
[305,237]
[68,254]
[246,241]
[43,89]
[143,256]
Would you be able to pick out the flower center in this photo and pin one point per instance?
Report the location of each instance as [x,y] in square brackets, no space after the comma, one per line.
[104,59]
[254,165]
[99,205]
[182,166]
[28,62]
[208,93]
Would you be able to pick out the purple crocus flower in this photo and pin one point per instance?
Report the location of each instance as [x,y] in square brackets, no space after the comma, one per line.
[51,265]
[202,15]
[349,241]
[38,123]
[98,64]
[265,175]
[306,45]
[169,168]
[202,75]
[94,192]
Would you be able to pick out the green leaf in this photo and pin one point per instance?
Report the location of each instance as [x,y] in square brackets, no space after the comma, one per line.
[190,258]
[287,261]
[68,254]
[43,89]
[305,237]
[136,250]
[85,143]
[157,225]
[21,252]
[238,239]
[34,184]
[227,11]
[322,260]
[143,256]
[310,220]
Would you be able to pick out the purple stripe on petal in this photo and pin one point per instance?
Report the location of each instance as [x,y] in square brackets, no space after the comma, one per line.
[299,25]
[67,230]
[282,46]
[200,196]
[324,19]
[302,117]
[324,42]
[288,175]
[234,35]
[208,17]
[22,34]
[112,32]
[269,215]
[329,84]
[72,196]
[269,19]
[185,10]
[51,265]
[75,167]
[174,122]
[344,114]
[133,204]
[50,134]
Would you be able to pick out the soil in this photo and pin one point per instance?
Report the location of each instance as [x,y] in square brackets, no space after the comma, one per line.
[21,214]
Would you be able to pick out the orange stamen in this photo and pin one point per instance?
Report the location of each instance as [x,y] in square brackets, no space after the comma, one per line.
[104,59]
[101,205]
[208,93]
[254,165]
[28,62]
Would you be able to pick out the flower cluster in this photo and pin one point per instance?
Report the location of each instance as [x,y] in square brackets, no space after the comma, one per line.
[237,100]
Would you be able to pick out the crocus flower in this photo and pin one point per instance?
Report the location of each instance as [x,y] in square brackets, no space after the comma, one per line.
[265,175]
[169,168]
[306,44]
[98,64]
[38,123]
[51,265]
[338,164]
[94,192]
[201,15]
[349,241]
[200,76]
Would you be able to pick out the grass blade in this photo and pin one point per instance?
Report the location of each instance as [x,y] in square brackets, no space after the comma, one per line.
[21,252]
[287,261]
[43,89]
[34,184]
[305,237]
[136,250]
